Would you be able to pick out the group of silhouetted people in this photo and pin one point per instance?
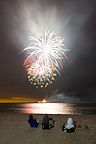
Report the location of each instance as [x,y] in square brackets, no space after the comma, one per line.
[48,123]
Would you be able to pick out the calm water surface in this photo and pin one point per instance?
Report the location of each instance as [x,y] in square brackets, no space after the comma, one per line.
[50,108]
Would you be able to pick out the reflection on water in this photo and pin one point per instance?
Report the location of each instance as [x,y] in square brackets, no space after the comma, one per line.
[49,108]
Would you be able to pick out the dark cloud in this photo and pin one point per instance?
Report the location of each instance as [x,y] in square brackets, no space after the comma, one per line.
[75,20]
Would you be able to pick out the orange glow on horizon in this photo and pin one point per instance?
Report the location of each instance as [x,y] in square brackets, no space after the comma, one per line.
[19,100]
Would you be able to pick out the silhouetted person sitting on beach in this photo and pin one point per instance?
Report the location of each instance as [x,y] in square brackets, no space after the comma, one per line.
[69,126]
[32,121]
[47,122]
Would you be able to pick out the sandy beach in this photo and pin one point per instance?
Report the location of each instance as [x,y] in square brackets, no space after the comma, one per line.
[14,129]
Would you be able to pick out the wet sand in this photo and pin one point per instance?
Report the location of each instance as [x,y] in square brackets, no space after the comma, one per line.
[14,129]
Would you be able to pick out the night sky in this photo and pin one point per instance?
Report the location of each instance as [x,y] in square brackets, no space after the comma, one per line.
[75,20]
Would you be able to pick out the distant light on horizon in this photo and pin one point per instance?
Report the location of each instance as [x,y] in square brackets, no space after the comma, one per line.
[44,101]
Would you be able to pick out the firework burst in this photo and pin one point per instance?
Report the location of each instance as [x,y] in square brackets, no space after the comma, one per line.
[45,53]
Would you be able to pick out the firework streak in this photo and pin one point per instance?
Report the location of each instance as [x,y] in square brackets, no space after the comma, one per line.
[45,53]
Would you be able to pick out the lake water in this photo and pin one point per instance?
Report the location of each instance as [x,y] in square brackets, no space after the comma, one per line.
[49,108]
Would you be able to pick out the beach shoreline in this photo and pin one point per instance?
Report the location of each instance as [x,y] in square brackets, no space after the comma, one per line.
[14,129]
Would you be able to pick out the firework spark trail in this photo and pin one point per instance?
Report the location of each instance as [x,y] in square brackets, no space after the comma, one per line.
[45,54]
